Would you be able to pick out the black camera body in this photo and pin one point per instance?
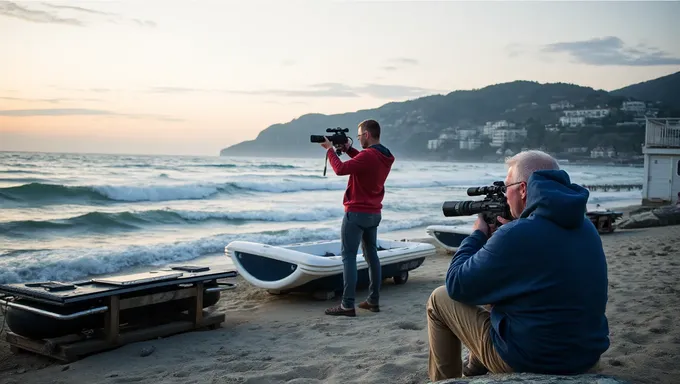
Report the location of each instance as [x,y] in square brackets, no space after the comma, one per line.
[338,138]
[493,205]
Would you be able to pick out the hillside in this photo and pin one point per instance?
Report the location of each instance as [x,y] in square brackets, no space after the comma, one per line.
[407,126]
[665,89]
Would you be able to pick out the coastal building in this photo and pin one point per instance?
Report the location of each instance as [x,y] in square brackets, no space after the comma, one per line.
[661,151]
[500,137]
[596,113]
[564,104]
[638,107]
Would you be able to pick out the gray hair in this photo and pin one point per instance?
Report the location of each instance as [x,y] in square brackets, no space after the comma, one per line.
[527,162]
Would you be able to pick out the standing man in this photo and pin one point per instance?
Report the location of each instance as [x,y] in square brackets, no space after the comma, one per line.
[367,170]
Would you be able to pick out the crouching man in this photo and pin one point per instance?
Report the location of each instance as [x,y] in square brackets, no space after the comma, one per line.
[543,276]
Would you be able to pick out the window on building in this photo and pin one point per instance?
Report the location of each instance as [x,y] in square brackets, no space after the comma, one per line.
[677,168]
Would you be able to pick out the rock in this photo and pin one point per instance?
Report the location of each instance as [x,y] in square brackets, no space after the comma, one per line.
[530,378]
[668,215]
[146,351]
[641,220]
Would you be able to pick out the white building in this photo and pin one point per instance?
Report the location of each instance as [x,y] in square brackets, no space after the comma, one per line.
[638,107]
[572,121]
[502,136]
[564,104]
[588,113]
[492,126]
[464,134]
[434,144]
[662,160]
[470,143]
[599,152]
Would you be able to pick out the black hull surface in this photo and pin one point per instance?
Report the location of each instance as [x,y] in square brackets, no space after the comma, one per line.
[450,239]
[334,283]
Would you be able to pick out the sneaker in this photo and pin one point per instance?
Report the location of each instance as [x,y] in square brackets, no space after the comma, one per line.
[370,307]
[338,310]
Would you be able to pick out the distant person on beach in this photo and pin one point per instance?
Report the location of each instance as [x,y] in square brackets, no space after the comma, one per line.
[367,170]
[542,277]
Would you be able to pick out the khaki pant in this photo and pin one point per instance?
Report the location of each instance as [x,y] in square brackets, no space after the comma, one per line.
[448,324]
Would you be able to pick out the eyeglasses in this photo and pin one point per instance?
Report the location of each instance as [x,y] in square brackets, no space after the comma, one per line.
[505,187]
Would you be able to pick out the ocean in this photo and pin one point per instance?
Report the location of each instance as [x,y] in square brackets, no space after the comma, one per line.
[71,216]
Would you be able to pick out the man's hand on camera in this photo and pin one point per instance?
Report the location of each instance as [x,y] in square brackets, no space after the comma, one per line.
[327,144]
[481,225]
[346,146]
[502,220]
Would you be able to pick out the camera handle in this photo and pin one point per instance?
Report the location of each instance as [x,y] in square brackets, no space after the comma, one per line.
[325,164]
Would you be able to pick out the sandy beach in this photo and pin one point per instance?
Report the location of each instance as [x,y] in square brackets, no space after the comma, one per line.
[268,339]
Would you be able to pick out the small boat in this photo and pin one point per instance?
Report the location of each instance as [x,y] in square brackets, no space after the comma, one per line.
[316,267]
[449,236]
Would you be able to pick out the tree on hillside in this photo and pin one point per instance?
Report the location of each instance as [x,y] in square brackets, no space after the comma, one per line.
[535,133]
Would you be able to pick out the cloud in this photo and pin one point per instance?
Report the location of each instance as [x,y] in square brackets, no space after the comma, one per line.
[50,14]
[10,9]
[386,91]
[79,112]
[79,9]
[404,60]
[399,62]
[51,101]
[176,90]
[611,50]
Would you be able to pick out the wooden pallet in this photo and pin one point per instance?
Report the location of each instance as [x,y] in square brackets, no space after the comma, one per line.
[70,348]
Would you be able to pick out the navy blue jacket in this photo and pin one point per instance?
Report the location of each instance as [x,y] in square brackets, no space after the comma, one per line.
[545,275]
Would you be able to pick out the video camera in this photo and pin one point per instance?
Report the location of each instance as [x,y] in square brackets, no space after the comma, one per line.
[493,205]
[338,138]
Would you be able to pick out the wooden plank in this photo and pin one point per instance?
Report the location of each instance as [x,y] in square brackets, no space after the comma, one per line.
[70,348]
[112,321]
[36,346]
[196,311]
[146,300]
[97,345]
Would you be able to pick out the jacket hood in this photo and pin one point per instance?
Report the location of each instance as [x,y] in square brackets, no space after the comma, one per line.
[387,158]
[552,195]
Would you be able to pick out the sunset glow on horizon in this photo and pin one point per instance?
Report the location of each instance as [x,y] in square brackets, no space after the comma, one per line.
[177,77]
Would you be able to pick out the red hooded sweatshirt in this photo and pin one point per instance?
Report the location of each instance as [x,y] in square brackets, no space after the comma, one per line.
[367,170]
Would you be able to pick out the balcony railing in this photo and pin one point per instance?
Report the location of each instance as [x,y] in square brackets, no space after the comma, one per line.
[662,133]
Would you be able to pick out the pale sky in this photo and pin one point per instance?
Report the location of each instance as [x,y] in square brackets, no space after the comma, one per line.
[181,77]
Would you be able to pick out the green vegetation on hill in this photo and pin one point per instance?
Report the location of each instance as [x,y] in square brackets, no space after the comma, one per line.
[409,125]
[665,89]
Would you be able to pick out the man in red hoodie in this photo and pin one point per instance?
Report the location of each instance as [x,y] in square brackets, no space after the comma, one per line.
[367,170]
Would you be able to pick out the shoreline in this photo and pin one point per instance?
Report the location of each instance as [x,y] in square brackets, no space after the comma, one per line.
[268,338]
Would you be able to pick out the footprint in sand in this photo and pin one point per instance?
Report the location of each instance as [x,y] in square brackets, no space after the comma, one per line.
[408,326]
[133,379]
[616,363]
[658,331]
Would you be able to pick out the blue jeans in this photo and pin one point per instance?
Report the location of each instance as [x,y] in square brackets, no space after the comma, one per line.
[359,227]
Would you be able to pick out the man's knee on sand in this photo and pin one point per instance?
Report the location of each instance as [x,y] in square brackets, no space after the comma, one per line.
[438,295]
